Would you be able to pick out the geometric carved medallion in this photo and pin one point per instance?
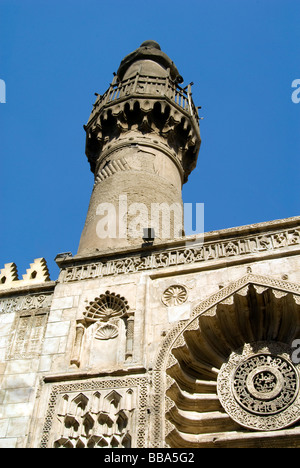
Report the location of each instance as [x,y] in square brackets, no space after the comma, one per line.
[174,295]
[259,387]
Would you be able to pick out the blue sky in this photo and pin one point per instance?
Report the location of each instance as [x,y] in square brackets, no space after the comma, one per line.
[242,56]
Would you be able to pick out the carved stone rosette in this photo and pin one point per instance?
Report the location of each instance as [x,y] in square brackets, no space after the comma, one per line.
[174,295]
[259,387]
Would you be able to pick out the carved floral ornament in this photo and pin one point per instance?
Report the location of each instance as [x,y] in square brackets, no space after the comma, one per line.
[174,295]
[230,368]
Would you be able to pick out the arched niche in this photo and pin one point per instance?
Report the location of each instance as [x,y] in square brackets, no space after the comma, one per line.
[104,334]
[226,377]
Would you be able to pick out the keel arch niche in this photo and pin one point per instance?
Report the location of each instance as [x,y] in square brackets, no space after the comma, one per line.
[246,313]
[105,332]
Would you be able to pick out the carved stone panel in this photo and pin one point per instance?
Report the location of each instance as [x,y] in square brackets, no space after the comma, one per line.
[15,304]
[28,334]
[98,413]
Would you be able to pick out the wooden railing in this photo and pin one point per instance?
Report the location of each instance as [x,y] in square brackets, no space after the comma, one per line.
[151,86]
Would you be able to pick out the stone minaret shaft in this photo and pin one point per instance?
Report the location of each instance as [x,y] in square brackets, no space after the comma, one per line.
[142,142]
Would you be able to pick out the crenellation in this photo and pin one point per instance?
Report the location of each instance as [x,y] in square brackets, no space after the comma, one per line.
[36,274]
[38,271]
[8,275]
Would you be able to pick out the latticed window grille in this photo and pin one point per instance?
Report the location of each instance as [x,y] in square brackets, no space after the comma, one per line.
[27,337]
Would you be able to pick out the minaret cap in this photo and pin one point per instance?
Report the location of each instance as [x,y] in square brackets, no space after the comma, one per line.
[149,50]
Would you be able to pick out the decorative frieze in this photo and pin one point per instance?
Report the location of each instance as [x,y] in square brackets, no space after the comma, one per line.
[15,304]
[183,255]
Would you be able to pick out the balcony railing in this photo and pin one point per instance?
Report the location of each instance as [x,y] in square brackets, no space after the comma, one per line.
[152,87]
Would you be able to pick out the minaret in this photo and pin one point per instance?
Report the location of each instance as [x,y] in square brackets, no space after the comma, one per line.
[142,142]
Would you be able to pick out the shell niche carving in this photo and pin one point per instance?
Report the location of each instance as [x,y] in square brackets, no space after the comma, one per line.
[107,332]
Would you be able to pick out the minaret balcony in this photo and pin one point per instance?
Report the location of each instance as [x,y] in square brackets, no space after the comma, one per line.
[150,88]
[150,105]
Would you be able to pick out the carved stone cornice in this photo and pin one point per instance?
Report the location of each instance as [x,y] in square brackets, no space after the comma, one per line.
[20,290]
[224,249]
